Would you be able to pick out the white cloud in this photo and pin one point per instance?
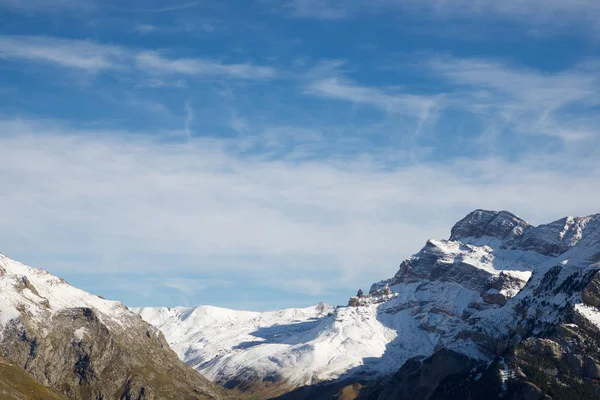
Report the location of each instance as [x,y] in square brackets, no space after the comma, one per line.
[401,103]
[145,28]
[189,119]
[78,54]
[317,286]
[154,62]
[320,9]
[93,57]
[532,101]
[531,11]
[552,90]
[186,286]
[126,203]
[506,98]
[175,7]
[537,13]
[47,5]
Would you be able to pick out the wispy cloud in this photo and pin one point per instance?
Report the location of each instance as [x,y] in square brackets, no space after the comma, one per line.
[47,5]
[555,104]
[420,108]
[186,286]
[503,97]
[78,54]
[154,62]
[189,118]
[94,57]
[319,9]
[176,29]
[531,12]
[402,103]
[145,28]
[174,7]
[317,287]
[553,90]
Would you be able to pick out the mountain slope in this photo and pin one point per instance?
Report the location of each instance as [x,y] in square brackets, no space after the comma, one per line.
[495,282]
[16,384]
[86,347]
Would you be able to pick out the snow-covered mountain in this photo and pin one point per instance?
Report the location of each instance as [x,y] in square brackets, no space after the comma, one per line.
[83,346]
[496,282]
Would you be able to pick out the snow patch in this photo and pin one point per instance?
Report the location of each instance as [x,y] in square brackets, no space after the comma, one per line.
[592,314]
[80,333]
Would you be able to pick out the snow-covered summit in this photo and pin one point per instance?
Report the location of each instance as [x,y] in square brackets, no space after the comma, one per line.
[475,293]
[550,239]
[39,295]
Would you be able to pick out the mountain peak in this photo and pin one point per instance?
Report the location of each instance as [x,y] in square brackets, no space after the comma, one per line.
[495,224]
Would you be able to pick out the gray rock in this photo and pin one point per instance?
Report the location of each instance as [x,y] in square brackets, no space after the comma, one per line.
[591,293]
[496,224]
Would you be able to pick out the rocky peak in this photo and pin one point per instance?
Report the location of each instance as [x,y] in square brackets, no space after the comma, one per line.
[375,296]
[502,225]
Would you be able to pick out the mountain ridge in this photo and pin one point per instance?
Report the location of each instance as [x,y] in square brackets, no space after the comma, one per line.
[496,281]
[83,346]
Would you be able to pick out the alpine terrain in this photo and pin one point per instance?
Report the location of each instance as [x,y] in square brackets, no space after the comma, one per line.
[501,309]
[59,342]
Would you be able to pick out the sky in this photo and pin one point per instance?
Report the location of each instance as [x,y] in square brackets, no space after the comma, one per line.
[277,153]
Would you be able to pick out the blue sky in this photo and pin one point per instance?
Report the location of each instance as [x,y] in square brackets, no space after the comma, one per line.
[270,154]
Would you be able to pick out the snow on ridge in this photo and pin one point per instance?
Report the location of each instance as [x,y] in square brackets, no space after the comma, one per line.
[41,295]
[590,313]
[245,337]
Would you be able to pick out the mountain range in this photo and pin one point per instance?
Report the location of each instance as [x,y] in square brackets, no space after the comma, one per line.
[500,309]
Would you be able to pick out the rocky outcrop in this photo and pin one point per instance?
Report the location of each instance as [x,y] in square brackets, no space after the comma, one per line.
[501,225]
[376,295]
[591,293]
[503,287]
[511,231]
[469,265]
[419,379]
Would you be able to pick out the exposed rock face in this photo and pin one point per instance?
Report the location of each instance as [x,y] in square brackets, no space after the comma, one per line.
[468,265]
[419,379]
[550,239]
[503,287]
[491,224]
[376,295]
[591,293]
[86,347]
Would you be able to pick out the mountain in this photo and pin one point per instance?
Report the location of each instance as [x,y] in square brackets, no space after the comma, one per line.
[501,308]
[59,342]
